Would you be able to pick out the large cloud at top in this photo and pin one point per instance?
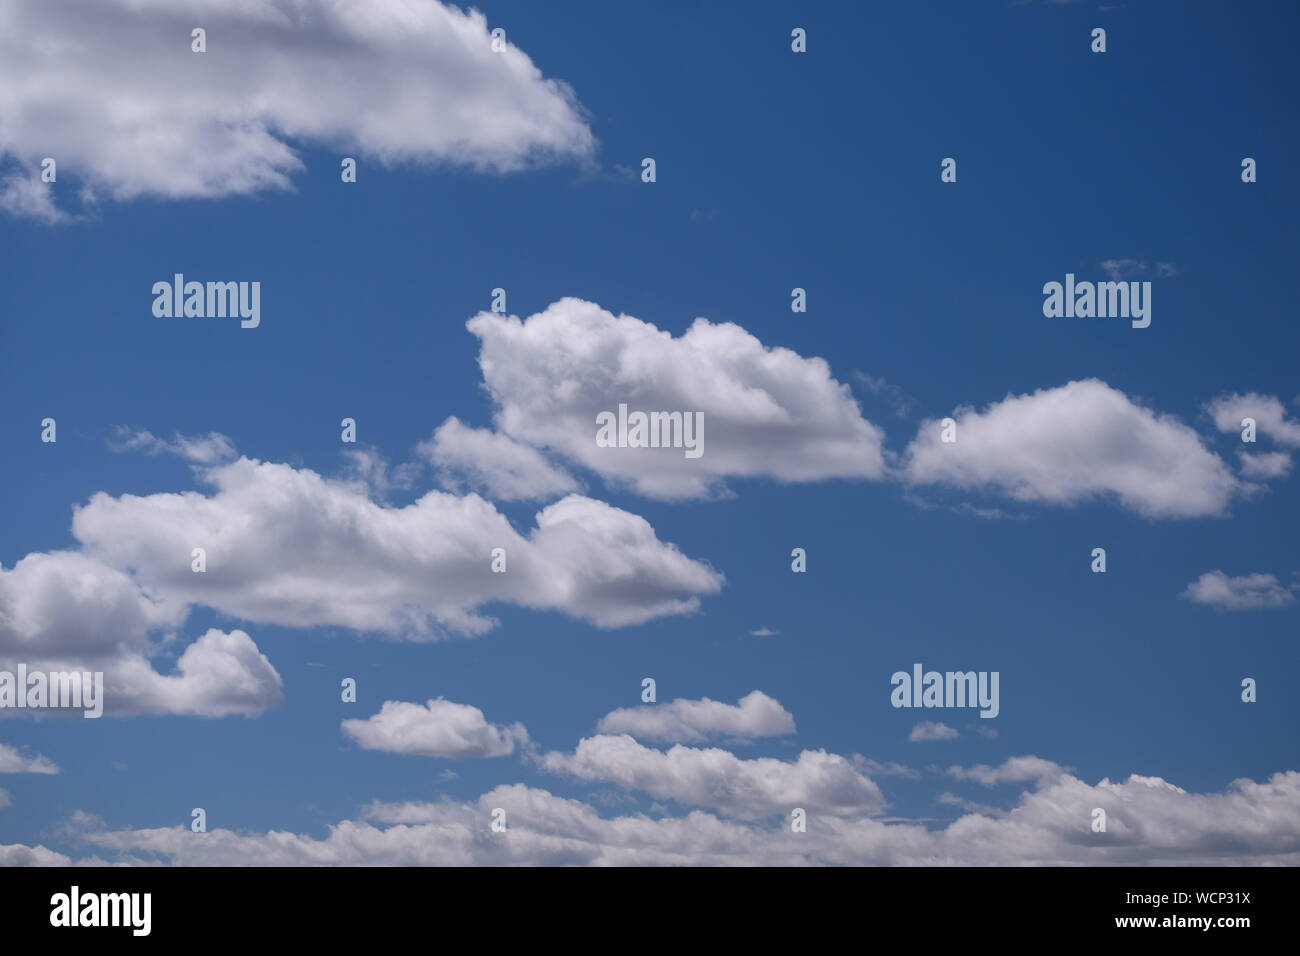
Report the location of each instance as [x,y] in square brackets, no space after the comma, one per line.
[768,412]
[111,90]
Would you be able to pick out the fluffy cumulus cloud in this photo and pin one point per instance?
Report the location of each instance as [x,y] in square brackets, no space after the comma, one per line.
[1271,419]
[111,90]
[500,467]
[219,675]
[748,789]
[928,730]
[692,721]
[1249,592]
[1066,445]
[1272,424]
[286,546]
[1149,822]
[440,728]
[65,611]
[767,412]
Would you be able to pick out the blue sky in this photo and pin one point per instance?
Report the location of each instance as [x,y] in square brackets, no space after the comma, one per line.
[775,170]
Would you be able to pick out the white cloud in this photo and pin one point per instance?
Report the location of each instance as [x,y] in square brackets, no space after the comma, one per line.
[285,546]
[219,675]
[111,90]
[65,611]
[551,375]
[876,768]
[208,449]
[1130,269]
[11,761]
[692,721]
[1149,822]
[15,854]
[25,195]
[1250,592]
[500,467]
[970,806]
[440,728]
[1123,269]
[368,472]
[1270,416]
[927,730]
[1070,444]
[1273,464]
[1013,770]
[818,781]
[889,392]
[66,604]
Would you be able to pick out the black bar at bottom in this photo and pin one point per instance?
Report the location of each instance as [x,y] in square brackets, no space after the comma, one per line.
[656,907]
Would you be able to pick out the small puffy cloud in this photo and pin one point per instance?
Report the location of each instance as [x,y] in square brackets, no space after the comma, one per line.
[1273,464]
[1071,444]
[551,375]
[818,781]
[1013,770]
[693,721]
[286,546]
[11,761]
[927,730]
[220,675]
[494,464]
[440,728]
[112,91]
[1271,419]
[1250,592]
